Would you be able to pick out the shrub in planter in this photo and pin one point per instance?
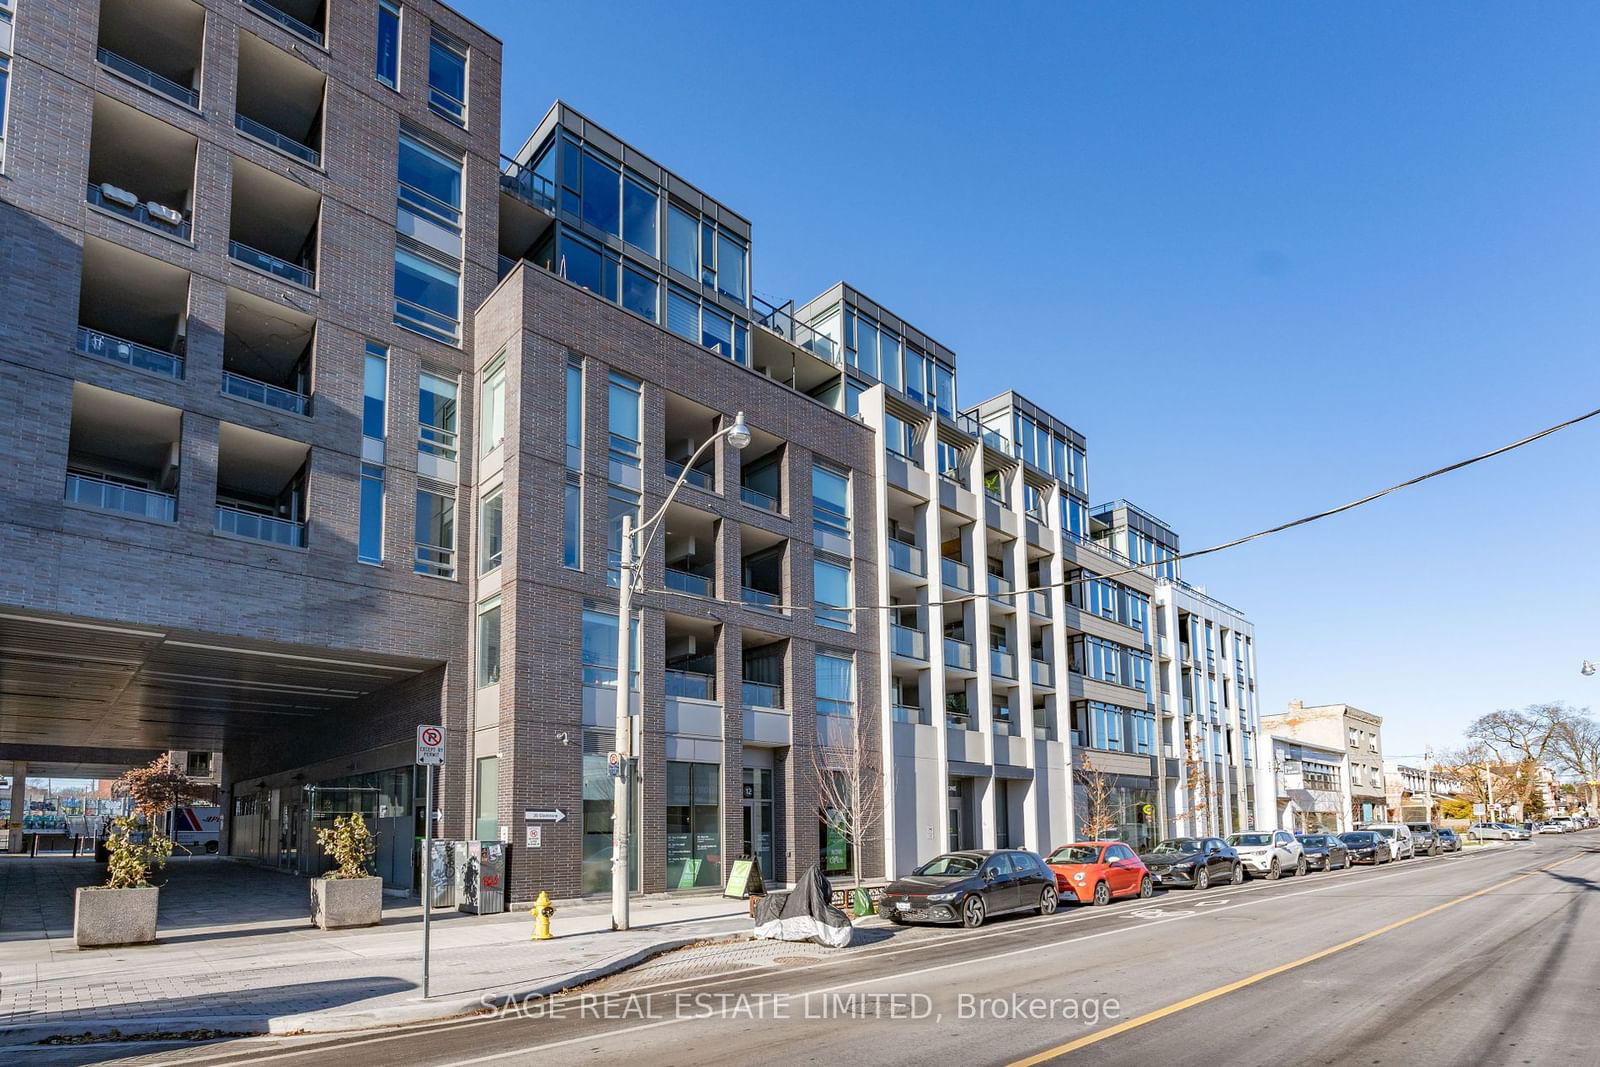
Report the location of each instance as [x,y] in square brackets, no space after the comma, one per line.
[348,895]
[123,911]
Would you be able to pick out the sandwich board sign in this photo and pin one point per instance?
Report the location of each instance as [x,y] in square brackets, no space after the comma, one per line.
[430,746]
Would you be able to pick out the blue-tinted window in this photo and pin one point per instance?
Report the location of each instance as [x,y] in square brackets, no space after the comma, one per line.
[916,374]
[683,314]
[889,359]
[639,293]
[582,264]
[730,266]
[375,391]
[491,531]
[683,236]
[427,295]
[572,523]
[574,416]
[944,393]
[836,691]
[717,330]
[867,348]
[430,181]
[831,588]
[447,78]
[639,215]
[388,67]
[601,192]
[370,546]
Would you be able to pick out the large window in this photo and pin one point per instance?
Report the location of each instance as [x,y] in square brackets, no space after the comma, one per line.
[430,191]
[427,295]
[683,241]
[436,416]
[388,64]
[599,790]
[601,194]
[639,215]
[694,825]
[436,533]
[830,503]
[836,691]
[370,544]
[732,262]
[600,649]
[375,391]
[492,418]
[901,438]
[574,415]
[572,522]
[491,526]
[831,587]
[447,77]
[487,823]
[489,643]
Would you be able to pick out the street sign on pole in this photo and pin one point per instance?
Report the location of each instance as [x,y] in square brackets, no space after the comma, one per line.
[427,850]
[614,764]
[430,746]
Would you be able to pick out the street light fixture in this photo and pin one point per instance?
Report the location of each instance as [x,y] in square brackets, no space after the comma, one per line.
[738,435]
[1587,670]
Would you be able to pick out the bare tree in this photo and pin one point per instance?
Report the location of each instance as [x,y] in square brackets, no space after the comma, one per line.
[849,780]
[1520,740]
[1575,748]
[1099,817]
[1198,773]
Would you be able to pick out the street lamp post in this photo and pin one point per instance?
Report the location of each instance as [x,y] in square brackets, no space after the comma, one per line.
[738,435]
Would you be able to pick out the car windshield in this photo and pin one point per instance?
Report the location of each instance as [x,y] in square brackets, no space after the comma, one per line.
[1421,828]
[1180,844]
[1383,831]
[1356,839]
[1250,840]
[949,866]
[1074,854]
[1313,839]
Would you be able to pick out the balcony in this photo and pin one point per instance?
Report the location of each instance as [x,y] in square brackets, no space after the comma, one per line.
[758,499]
[907,642]
[956,575]
[531,188]
[303,18]
[140,168]
[780,320]
[266,353]
[280,100]
[761,568]
[155,43]
[1002,664]
[911,713]
[700,477]
[761,472]
[691,685]
[958,654]
[692,582]
[1044,673]
[1039,605]
[122,454]
[1000,590]
[761,598]
[905,558]
[261,486]
[762,695]
[132,309]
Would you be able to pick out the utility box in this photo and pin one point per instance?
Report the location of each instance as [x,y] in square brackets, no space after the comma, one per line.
[483,884]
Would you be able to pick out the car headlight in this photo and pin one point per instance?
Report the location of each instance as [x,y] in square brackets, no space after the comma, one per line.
[1186,866]
[1078,876]
[940,898]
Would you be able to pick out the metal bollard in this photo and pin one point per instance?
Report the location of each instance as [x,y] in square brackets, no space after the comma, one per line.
[542,911]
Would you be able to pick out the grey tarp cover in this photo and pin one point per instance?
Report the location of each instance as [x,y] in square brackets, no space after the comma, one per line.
[804,914]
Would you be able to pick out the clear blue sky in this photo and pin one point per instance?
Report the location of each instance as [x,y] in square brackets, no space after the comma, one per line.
[1266,257]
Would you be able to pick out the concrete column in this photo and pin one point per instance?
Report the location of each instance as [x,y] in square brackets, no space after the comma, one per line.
[19,803]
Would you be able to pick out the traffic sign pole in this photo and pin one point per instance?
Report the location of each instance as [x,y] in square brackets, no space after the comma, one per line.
[430,754]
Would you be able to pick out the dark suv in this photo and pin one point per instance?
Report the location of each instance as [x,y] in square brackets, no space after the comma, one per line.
[1425,839]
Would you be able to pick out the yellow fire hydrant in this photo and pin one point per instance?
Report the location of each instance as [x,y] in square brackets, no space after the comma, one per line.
[542,910]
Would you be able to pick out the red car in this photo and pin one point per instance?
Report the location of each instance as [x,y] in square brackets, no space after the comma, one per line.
[1096,871]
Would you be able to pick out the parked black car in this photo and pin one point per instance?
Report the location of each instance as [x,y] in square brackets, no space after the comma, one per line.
[1196,862]
[969,886]
[1364,846]
[1449,840]
[1324,852]
[1424,838]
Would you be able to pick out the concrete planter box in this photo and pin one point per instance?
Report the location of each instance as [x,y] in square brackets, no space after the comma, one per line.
[337,903]
[103,917]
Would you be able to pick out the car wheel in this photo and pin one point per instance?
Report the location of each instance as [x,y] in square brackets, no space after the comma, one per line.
[1238,876]
[1048,900]
[973,912]
[1300,868]
[1146,888]
[1274,872]
[1102,894]
[894,918]
[1202,878]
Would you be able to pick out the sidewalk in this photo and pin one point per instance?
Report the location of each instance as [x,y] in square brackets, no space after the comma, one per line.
[237,953]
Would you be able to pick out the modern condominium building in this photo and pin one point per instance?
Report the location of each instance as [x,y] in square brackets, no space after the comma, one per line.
[332,416]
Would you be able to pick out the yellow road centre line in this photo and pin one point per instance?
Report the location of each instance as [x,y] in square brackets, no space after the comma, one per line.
[1272,972]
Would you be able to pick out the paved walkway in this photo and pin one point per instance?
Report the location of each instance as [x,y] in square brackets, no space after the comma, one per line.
[236,951]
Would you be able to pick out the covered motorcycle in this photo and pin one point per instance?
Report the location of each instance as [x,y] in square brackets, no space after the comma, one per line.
[806,913]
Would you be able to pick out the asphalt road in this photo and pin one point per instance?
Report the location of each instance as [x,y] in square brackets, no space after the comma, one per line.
[1486,958]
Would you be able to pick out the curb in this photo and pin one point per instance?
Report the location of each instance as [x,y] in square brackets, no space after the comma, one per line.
[333,1021]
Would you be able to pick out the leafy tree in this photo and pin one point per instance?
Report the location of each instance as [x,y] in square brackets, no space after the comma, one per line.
[136,843]
[349,842]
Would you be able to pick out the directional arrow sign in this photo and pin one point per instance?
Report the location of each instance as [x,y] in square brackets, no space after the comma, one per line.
[545,815]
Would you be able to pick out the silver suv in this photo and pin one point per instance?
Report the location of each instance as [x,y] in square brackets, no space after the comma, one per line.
[1269,853]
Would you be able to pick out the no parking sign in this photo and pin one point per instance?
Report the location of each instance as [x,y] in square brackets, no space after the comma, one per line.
[430,746]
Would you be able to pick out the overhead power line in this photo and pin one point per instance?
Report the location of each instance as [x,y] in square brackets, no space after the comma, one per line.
[1146,569]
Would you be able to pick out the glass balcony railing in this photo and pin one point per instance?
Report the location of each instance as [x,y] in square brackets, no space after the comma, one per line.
[691,686]
[781,321]
[760,598]
[958,654]
[129,353]
[261,393]
[1000,588]
[904,641]
[1003,664]
[698,477]
[94,491]
[905,558]
[149,78]
[281,268]
[1039,604]
[287,21]
[1044,673]
[533,189]
[158,218]
[684,581]
[281,141]
[909,713]
[258,527]
[756,498]
[957,575]
[762,695]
